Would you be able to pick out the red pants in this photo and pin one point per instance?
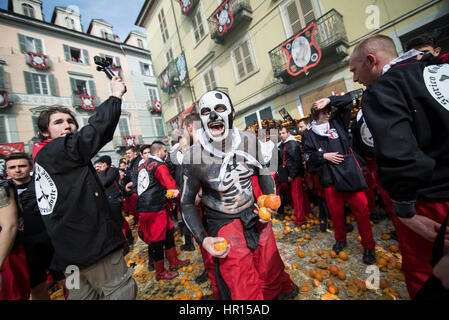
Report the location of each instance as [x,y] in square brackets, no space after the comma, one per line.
[15,276]
[415,250]
[373,181]
[125,228]
[359,206]
[130,206]
[319,188]
[253,274]
[297,196]
[153,226]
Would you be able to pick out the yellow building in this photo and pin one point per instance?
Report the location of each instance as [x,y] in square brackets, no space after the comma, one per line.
[51,63]
[252,49]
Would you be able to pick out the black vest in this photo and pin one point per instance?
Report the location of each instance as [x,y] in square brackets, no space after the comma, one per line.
[151,194]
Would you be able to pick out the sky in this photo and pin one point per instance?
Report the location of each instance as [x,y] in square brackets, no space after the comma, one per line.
[121,14]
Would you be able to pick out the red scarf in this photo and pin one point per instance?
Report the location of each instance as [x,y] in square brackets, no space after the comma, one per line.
[38,146]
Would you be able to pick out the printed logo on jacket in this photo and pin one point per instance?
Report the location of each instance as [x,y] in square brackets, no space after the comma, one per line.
[436,78]
[46,191]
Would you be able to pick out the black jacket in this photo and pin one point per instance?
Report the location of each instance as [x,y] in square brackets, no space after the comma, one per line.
[71,198]
[407,111]
[132,172]
[346,176]
[290,160]
[110,180]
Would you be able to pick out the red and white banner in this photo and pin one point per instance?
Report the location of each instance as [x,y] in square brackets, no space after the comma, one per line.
[130,141]
[157,105]
[37,60]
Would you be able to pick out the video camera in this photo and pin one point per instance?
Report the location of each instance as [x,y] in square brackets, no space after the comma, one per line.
[104,65]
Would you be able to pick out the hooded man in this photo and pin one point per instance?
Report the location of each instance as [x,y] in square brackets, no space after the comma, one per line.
[222,162]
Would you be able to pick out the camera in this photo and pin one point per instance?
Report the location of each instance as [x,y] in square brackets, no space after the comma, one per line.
[104,65]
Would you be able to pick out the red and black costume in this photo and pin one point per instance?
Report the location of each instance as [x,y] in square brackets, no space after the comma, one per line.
[130,202]
[15,274]
[155,226]
[291,166]
[342,182]
[407,111]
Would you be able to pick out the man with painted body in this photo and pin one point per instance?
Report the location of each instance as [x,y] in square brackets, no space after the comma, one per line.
[219,163]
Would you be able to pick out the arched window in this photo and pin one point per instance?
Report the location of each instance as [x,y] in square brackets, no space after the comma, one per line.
[70,23]
[28,10]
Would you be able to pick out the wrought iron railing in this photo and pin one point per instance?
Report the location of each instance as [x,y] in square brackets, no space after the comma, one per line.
[238,8]
[330,32]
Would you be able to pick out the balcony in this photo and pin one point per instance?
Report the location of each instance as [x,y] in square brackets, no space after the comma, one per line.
[330,37]
[225,19]
[85,102]
[120,142]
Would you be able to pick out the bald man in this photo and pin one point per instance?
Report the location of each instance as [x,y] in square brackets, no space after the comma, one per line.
[406,107]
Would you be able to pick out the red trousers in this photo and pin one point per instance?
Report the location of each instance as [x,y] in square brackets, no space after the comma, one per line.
[130,206]
[15,276]
[373,182]
[359,206]
[253,274]
[415,250]
[153,226]
[298,199]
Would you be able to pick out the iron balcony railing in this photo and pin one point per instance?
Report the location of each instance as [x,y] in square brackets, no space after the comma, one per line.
[330,32]
[240,11]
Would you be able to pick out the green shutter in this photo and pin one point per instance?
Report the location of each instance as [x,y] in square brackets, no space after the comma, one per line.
[2,78]
[142,69]
[38,44]
[73,86]
[52,85]
[117,61]
[22,44]
[29,82]
[86,56]
[67,53]
[93,91]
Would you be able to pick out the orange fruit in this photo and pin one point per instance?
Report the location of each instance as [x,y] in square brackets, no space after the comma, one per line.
[394,248]
[264,214]
[315,283]
[307,237]
[333,289]
[384,284]
[221,245]
[261,201]
[333,254]
[198,294]
[272,201]
[301,254]
[304,289]
[169,194]
[343,255]
[329,283]
[342,275]
[334,270]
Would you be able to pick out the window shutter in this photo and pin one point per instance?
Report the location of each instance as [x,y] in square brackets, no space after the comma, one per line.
[247,57]
[86,57]
[212,79]
[207,81]
[22,43]
[293,17]
[2,78]
[117,61]
[238,60]
[73,86]
[67,53]
[93,91]
[307,11]
[142,69]
[28,82]
[38,45]
[52,84]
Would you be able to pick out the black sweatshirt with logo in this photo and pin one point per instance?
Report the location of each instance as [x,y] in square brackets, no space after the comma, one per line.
[72,199]
[407,111]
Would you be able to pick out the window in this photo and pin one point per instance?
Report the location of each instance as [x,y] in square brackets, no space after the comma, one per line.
[198,27]
[30,44]
[243,60]
[79,86]
[159,126]
[152,93]
[146,69]
[123,126]
[163,24]
[209,80]
[255,118]
[169,55]
[70,23]
[40,83]
[140,43]
[76,55]
[106,35]
[4,130]
[28,10]
[179,103]
[298,13]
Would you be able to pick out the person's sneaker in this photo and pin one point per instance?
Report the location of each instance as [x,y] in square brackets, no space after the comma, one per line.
[349,227]
[323,225]
[338,246]
[188,247]
[202,277]
[369,256]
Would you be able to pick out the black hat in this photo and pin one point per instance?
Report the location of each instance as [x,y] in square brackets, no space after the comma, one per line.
[105,159]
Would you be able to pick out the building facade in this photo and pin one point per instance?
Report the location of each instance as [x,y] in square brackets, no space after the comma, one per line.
[52,63]
[272,57]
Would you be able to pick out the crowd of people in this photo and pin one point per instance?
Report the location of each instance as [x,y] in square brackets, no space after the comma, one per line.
[58,210]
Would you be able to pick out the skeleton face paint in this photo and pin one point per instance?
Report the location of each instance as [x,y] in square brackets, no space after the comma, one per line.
[216,115]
